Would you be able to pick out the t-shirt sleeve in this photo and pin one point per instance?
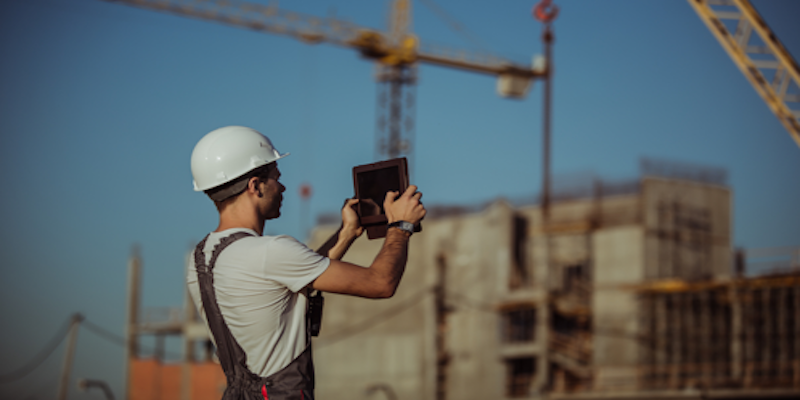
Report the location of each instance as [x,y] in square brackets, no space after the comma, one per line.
[292,263]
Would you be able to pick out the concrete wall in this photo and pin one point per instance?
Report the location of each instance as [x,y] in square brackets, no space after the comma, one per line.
[573,224]
[364,343]
[689,229]
[621,241]
[392,342]
[479,273]
[618,263]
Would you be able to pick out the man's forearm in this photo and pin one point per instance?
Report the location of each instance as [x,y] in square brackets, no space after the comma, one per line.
[338,244]
[390,263]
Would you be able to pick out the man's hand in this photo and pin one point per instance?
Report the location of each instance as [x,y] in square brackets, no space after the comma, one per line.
[350,224]
[335,247]
[380,280]
[407,207]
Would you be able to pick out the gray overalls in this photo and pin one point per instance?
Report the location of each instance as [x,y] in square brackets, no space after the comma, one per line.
[294,382]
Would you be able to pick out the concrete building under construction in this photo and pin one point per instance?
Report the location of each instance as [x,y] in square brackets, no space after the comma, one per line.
[630,291]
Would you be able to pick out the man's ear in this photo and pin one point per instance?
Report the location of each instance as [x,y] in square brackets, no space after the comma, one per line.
[252,186]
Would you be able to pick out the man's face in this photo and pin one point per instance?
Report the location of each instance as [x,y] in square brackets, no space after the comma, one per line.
[273,193]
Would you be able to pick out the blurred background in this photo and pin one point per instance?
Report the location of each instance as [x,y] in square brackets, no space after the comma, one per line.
[102,104]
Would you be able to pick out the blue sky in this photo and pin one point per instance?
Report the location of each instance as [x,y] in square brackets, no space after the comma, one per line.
[102,104]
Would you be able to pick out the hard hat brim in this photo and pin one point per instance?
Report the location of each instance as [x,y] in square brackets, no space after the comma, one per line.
[204,189]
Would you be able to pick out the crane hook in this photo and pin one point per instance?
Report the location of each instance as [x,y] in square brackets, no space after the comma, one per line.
[545,11]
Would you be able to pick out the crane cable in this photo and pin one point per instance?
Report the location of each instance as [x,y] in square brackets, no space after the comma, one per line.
[454,25]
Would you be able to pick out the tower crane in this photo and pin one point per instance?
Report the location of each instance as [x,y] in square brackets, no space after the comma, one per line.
[767,65]
[396,53]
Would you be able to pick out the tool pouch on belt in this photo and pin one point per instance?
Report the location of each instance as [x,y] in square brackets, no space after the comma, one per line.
[294,382]
[314,314]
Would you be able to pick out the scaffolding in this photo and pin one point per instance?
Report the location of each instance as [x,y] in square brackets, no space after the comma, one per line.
[718,335]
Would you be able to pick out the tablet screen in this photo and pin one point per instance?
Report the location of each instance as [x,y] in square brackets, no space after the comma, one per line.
[372,188]
[372,182]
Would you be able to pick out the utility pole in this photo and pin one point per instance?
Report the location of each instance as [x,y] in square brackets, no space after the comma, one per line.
[547,39]
[305,196]
[69,354]
[190,316]
[545,12]
[131,333]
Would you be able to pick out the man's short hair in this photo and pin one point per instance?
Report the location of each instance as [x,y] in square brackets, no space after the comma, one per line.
[235,187]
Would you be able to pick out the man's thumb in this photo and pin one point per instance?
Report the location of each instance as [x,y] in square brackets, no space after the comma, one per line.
[390,197]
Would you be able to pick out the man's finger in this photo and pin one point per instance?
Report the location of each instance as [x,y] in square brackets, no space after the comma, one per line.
[390,196]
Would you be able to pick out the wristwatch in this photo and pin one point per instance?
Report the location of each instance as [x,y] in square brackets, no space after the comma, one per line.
[404,225]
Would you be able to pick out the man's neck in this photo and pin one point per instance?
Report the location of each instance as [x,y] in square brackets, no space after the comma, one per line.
[240,217]
[224,227]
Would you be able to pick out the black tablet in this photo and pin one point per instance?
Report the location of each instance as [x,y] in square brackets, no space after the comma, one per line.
[372,182]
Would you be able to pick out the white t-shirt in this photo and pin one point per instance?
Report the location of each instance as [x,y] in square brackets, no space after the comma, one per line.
[259,282]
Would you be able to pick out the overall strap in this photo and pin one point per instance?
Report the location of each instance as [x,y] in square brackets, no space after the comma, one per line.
[229,352]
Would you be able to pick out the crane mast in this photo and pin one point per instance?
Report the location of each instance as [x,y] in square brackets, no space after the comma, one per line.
[765,63]
[397,78]
[396,52]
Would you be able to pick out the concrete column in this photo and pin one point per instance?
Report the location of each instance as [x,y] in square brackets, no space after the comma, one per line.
[721,336]
[690,356]
[782,333]
[768,334]
[442,354]
[675,339]
[704,331]
[736,332]
[749,338]
[796,362]
[660,340]
[539,385]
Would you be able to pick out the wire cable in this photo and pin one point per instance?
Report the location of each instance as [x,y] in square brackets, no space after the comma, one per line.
[454,25]
[104,333]
[49,348]
[119,340]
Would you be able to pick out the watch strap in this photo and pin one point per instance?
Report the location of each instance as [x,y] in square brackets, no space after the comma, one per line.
[403,225]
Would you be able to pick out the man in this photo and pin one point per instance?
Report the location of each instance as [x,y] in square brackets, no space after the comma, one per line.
[255,295]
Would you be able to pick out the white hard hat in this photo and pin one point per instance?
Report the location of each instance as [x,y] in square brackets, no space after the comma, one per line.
[225,154]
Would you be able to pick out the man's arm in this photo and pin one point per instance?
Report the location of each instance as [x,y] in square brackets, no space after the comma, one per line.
[383,276]
[338,244]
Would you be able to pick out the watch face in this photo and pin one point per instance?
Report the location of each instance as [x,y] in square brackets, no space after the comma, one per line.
[404,225]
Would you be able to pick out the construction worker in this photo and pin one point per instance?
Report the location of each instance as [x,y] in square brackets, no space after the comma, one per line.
[256,294]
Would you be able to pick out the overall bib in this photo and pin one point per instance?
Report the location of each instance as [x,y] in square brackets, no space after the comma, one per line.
[293,382]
